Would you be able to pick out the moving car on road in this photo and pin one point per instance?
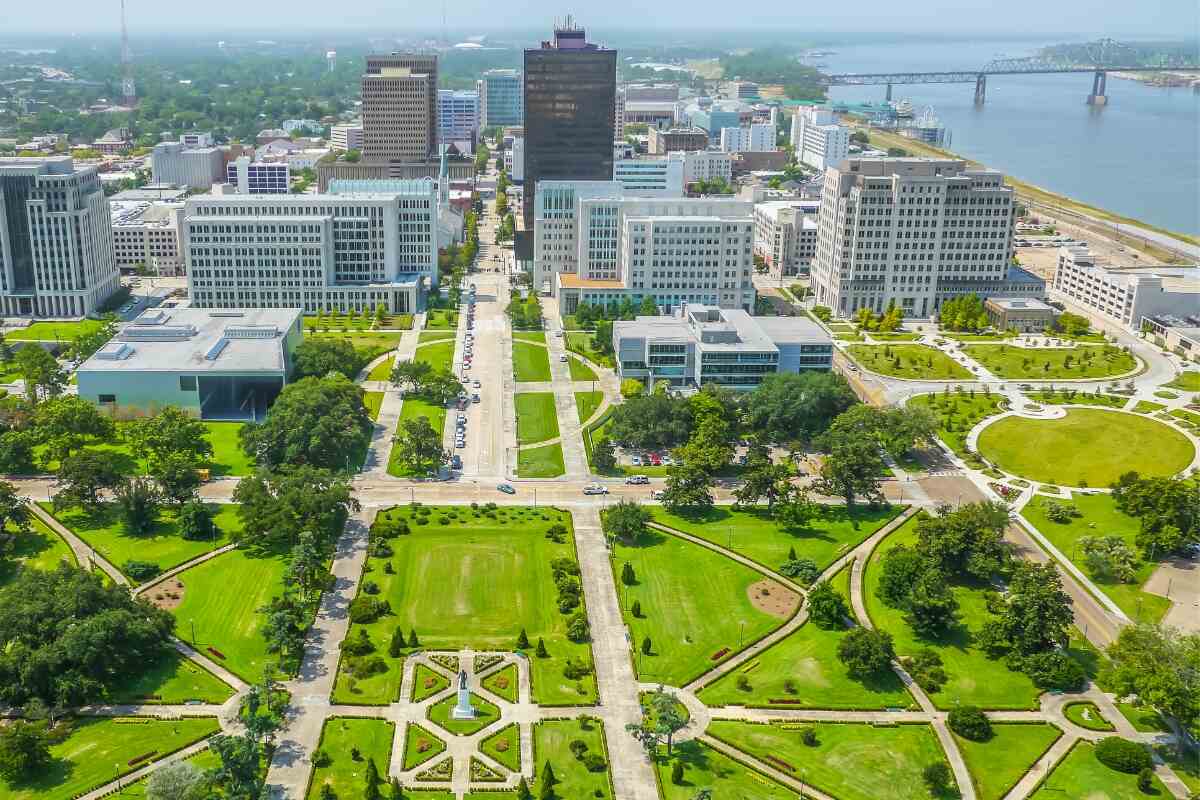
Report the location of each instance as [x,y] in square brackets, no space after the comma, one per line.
[507,488]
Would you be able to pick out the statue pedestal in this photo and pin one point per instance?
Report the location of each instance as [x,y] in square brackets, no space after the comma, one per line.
[464,709]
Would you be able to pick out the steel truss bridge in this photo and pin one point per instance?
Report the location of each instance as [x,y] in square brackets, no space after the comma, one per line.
[1105,56]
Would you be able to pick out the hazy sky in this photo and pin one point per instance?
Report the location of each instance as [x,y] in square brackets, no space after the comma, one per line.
[979,17]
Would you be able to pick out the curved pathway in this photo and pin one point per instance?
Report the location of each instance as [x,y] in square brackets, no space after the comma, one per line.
[84,552]
[173,571]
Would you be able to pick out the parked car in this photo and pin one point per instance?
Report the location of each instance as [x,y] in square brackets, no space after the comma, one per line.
[563,358]
[506,488]
[595,488]
[637,480]
[476,385]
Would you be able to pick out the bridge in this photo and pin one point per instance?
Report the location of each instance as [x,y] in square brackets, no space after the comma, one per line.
[1104,56]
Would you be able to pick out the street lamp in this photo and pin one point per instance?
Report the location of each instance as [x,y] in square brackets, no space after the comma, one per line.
[741,630]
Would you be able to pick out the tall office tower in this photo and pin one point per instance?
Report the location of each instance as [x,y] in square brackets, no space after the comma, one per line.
[56,251]
[400,108]
[915,230]
[458,118]
[501,98]
[570,106]
[817,138]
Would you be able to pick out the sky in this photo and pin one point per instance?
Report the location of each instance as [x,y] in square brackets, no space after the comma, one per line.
[1146,18]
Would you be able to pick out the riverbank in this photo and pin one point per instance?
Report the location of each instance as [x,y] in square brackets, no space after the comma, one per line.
[1049,202]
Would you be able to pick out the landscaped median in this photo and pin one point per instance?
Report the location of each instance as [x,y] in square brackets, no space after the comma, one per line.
[1085,362]
[537,417]
[531,362]
[911,361]
[335,762]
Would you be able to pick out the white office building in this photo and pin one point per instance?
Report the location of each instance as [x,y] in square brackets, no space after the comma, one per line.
[917,231]
[501,98]
[1128,296]
[346,137]
[756,138]
[817,139]
[651,177]
[707,165]
[514,160]
[145,236]
[56,254]
[785,235]
[458,119]
[179,164]
[594,243]
[259,177]
[365,243]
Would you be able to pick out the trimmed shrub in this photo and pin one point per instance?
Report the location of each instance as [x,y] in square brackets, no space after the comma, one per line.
[970,723]
[1123,755]
[1055,672]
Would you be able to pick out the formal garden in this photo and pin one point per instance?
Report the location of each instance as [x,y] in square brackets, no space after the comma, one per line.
[912,361]
[1083,362]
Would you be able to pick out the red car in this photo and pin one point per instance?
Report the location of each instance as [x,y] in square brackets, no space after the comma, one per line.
[655,460]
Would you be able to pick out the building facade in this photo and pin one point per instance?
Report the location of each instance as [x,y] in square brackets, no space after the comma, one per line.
[916,231]
[1180,336]
[785,235]
[365,244]
[145,236]
[661,142]
[346,137]
[650,177]
[707,165]
[1019,314]
[1126,296]
[758,137]
[56,253]
[817,139]
[458,118]
[501,98]
[194,167]
[259,177]
[701,344]
[400,108]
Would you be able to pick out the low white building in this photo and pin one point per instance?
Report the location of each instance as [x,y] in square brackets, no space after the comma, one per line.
[180,165]
[785,235]
[651,177]
[1126,295]
[758,137]
[707,165]
[817,139]
[146,236]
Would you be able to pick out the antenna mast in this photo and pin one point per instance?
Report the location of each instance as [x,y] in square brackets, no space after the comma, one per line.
[127,86]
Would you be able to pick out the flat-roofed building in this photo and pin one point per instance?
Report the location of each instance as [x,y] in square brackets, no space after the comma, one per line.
[1180,336]
[259,177]
[181,165]
[501,98]
[1020,314]
[146,237]
[785,235]
[346,137]
[1126,295]
[651,177]
[817,139]
[667,140]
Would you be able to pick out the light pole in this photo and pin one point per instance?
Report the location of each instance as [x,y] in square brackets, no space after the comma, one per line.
[412,495]
[117,769]
[741,630]
[193,621]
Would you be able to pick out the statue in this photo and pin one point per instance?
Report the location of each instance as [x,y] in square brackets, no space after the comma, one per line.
[464,709]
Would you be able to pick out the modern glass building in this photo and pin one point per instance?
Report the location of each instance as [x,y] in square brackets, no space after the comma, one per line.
[501,98]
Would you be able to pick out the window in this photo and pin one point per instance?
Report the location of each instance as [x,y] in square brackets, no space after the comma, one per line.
[187,383]
[106,398]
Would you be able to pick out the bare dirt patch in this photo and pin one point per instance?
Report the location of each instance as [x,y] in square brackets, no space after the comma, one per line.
[166,595]
[772,598]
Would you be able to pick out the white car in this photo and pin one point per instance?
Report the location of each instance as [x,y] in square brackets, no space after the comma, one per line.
[595,488]
[635,460]
[563,358]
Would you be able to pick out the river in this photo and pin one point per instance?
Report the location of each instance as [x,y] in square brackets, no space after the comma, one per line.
[1138,156]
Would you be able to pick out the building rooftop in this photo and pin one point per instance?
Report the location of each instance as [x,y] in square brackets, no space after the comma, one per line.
[151,191]
[143,214]
[199,341]
[723,329]
[1020,304]
[571,280]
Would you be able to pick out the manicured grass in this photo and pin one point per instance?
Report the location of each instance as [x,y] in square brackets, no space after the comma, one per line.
[753,533]
[230,621]
[439,354]
[551,740]
[537,417]
[706,768]
[174,680]
[53,331]
[420,745]
[228,458]
[850,762]
[503,683]
[997,764]
[1186,767]
[383,370]
[40,548]
[974,337]
[973,677]
[358,322]
[584,343]
[1100,517]
[441,319]
[505,747]
[530,336]
[531,362]
[1188,381]
[1073,397]
[1087,447]
[541,462]
[1081,775]
[893,337]
[413,408]
[694,603]
[486,712]
[379,341]
[434,336]
[1187,417]
[958,413]
[580,371]
[1143,718]
[917,361]
[346,776]
[1050,363]
[105,532]
[427,683]
[1086,715]
[373,401]
[499,567]
[1147,407]
[97,750]
[586,404]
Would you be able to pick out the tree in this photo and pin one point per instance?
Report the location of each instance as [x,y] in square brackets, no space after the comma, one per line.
[800,406]
[178,780]
[627,576]
[66,423]
[522,640]
[14,513]
[1038,614]
[1109,557]
[318,357]
[372,782]
[968,541]
[137,503]
[548,781]
[195,521]
[170,432]
[688,488]
[651,421]
[24,750]
[762,479]
[16,452]
[1166,509]
[540,651]
[796,510]
[626,520]
[275,507]
[284,627]
[523,792]
[409,376]
[899,570]
[42,374]
[238,774]
[81,478]
[851,470]
[932,609]
[938,777]
[178,477]
[827,607]
[419,448]
[677,773]
[648,308]
[1160,667]
[604,455]
[667,717]
[865,652]
[647,646]
[1123,755]
[86,343]
[316,421]
[306,567]
[970,723]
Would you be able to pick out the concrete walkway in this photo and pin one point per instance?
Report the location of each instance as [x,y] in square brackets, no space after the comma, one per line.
[380,449]
[85,555]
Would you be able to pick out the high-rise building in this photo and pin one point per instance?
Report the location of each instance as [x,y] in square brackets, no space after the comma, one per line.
[259,177]
[707,165]
[400,108]
[56,252]
[145,236]
[758,137]
[458,118]
[570,97]
[817,139]
[501,98]
[785,235]
[346,137]
[917,231]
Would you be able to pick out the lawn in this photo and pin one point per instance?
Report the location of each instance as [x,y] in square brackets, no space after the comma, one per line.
[504,746]
[959,412]
[499,565]
[580,371]
[53,331]
[972,676]
[586,404]
[975,337]
[413,408]
[1186,417]
[229,622]
[420,745]
[439,354]
[373,401]
[531,362]
[1081,775]
[345,775]
[537,417]
[1087,715]
[705,768]
[541,462]
[40,548]
[378,341]
[997,764]
[584,344]
[427,683]
[850,761]
[105,532]
[228,459]
[695,603]
[1188,381]
[486,712]
[1088,447]
[337,321]
[754,534]
[1147,407]
[551,740]
[383,370]
[1144,719]
[434,336]
[530,336]
[441,319]
[1051,363]
[1074,397]
[97,750]
[893,337]
[916,361]
[1100,517]
[173,680]
[503,683]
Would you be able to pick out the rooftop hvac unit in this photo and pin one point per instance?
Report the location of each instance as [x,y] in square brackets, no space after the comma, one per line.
[158,333]
[251,332]
[114,351]
[215,351]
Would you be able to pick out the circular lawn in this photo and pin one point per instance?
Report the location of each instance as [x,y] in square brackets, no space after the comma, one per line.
[1087,447]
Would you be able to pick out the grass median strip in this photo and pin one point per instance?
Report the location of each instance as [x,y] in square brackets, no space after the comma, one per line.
[541,462]
[531,362]
[537,417]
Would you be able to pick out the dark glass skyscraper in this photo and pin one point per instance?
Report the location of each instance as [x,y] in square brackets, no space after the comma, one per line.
[570,96]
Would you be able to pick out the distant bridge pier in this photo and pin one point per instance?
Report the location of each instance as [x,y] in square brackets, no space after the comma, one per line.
[1099,85]
[980,89]
[888,97]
